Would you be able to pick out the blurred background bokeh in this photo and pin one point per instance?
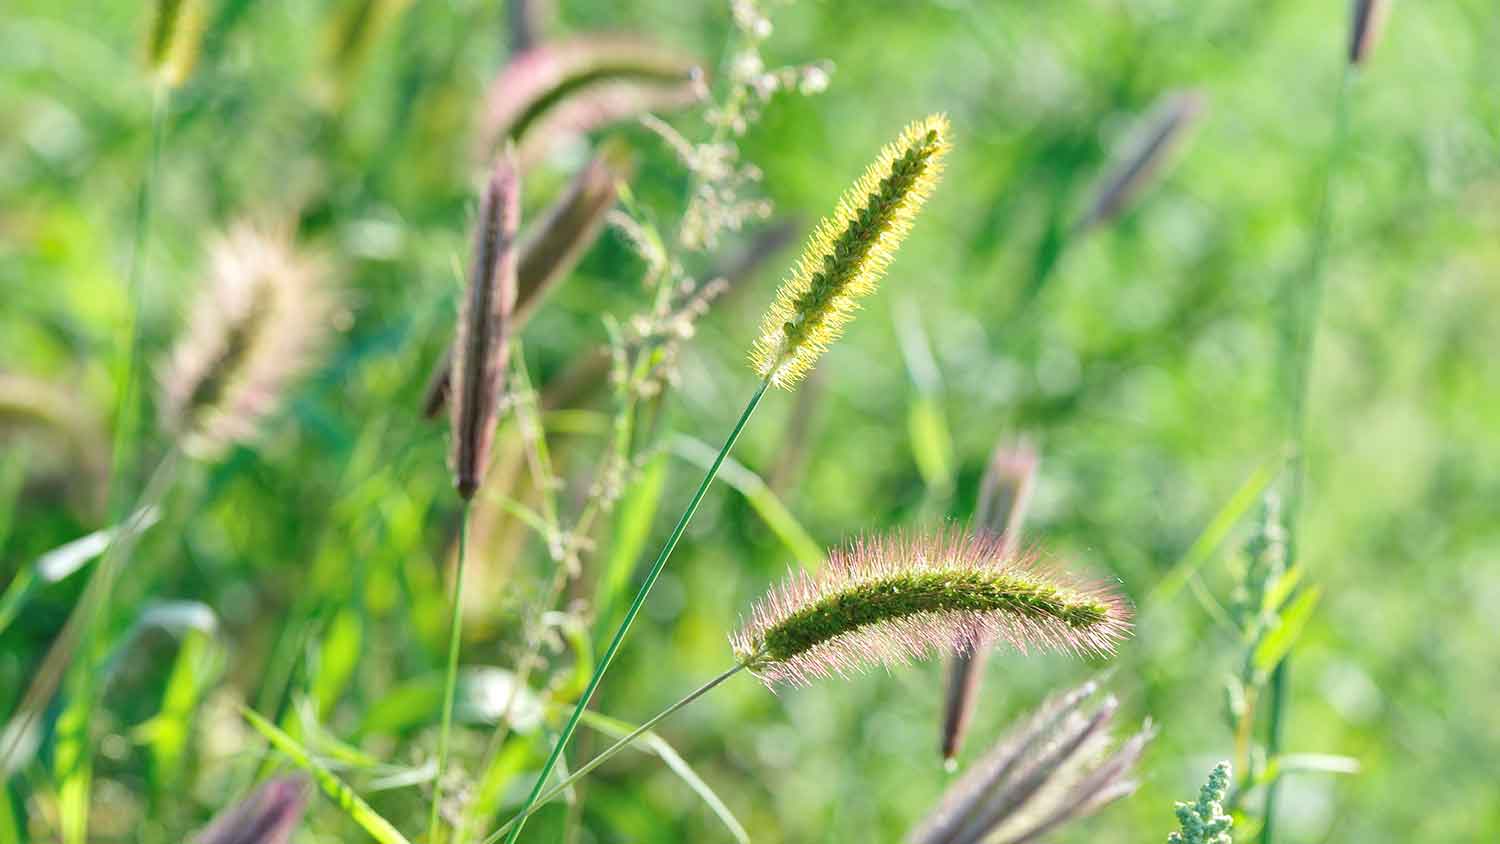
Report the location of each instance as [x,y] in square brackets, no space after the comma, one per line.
[1138,358]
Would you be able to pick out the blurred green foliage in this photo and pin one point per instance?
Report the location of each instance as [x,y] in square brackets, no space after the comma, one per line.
[1139,359]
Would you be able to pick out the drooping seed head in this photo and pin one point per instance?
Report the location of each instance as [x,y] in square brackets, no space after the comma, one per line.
[173,40]
[268,816]
[1055,766]
[848,253]
[482,343]
[254,329]
[893,599]
[581,84]
[1004,494]
[551,248]
[1368,22]
[1164,131]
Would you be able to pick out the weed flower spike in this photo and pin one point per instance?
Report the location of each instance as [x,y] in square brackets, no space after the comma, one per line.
[893,599]
[255,329]
[848,253]
[1204,822]
[482,342]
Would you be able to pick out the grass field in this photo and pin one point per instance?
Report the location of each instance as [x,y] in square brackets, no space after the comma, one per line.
[1254,361]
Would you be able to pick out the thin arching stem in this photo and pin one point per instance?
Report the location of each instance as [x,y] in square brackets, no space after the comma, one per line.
[450,683]
[635,609]
[1299,340]
[613,749]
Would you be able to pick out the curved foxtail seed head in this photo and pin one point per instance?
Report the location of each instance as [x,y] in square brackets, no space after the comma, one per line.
[848,253]
[481,346]
[256,327]
[893,599]
[1368,21]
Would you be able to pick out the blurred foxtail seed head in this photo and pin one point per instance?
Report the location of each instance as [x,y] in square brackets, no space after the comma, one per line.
[268,816]
[848,253]
[1368,22]
[1165,130]
[1055,766]
[481,346]
[257,326]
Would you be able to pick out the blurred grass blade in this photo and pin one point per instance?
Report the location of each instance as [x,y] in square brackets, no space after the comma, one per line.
[337,659]
[1278,643]
[10,819]
[12,479]
[61,562]
[764,501]
[632,527]
[1208,542]
[340,793]
[1282,589]
[502,771]
[931,443]
[167,734]
[1310,763]
[481,697]
[649,740]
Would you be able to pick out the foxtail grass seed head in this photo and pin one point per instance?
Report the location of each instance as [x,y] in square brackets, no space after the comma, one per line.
[1204,822]
[1163,132]
[575,85]
[173,40]
[892,599]
[551,248]
[481,347]
[1368,24]
[1004,496]
[1057,765]
[268,816]
[257,326]
[849,252]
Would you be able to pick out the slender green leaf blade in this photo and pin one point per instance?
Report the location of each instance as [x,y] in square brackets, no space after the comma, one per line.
[337,790]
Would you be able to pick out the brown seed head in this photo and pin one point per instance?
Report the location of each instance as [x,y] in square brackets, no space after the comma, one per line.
[481,347]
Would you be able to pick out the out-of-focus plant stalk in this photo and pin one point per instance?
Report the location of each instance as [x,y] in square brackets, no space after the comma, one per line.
[1302,299]
[1004,496]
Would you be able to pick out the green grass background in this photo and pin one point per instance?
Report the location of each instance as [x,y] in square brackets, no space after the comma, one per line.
[1143,368]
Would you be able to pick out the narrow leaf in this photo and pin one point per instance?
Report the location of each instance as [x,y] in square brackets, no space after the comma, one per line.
[656,744]
[341,794]
[1207,544]
[1279,642]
